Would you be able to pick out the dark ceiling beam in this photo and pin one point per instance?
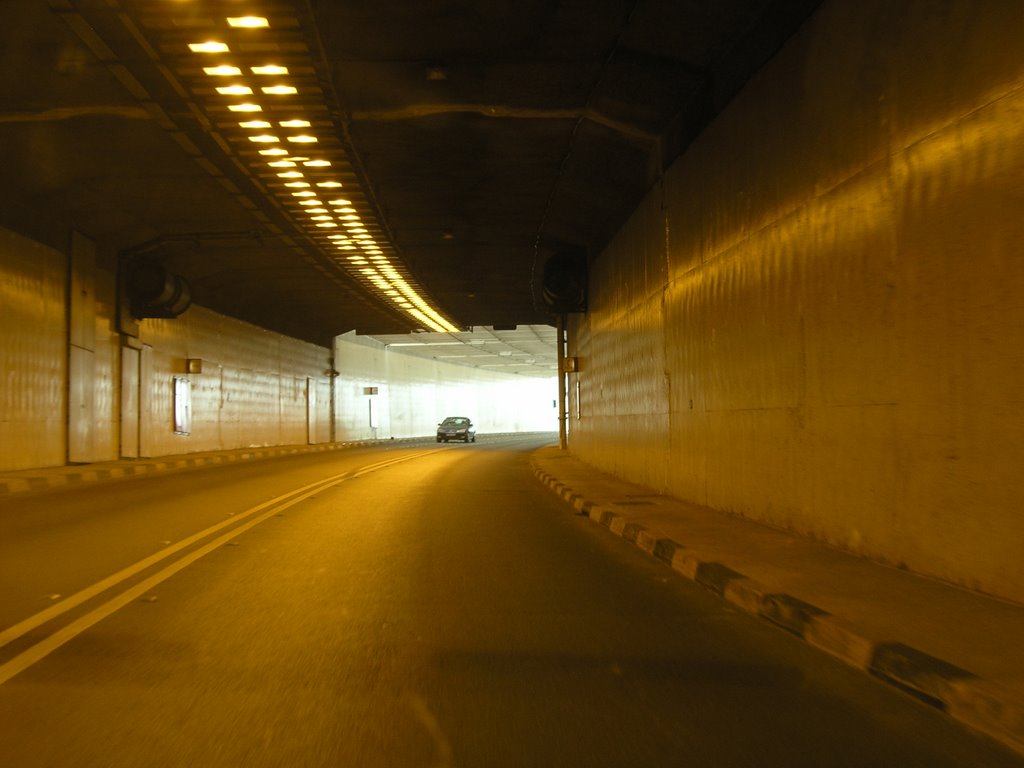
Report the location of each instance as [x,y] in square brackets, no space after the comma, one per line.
[70,113]
[502,111]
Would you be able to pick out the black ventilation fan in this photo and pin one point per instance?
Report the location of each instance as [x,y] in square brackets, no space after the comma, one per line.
[565,281]
[156,292]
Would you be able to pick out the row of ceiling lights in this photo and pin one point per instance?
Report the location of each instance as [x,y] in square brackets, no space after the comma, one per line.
[305,180]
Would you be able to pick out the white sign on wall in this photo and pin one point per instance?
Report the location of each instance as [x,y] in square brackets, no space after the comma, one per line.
[182,406]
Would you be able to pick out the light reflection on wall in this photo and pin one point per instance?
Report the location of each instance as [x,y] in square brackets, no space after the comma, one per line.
[835,347]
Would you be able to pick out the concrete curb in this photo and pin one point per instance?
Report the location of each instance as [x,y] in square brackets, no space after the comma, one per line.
[979,704]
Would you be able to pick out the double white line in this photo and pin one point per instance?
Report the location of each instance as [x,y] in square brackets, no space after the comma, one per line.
[255,515]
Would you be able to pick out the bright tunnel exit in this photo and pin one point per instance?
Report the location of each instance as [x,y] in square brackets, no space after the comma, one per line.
[404,385]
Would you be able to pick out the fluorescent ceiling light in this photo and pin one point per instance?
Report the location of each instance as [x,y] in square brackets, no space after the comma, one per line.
[248,22]
[270,69]
[224,70]
[234,90]
[210,46]
[245,107]
[430,344]
[279,90]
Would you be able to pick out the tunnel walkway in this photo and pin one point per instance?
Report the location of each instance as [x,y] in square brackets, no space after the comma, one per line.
[956,649]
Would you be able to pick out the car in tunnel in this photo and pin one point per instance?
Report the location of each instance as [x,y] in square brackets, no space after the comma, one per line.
[456,428]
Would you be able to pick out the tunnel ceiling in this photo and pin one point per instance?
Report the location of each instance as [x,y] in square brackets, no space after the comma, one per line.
[472,139]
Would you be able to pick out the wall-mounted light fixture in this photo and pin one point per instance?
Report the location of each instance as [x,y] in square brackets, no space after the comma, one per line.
[193,365]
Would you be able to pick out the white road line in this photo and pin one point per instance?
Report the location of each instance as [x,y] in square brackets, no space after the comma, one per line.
[14,632]
[46,646]
[444,757]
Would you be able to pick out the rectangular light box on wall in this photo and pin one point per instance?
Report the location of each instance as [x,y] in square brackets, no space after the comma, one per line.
[182,406]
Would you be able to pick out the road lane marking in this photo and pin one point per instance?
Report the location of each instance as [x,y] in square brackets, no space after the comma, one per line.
[433,727]
[65,634]
[17,630]
[283,501]
[48,645]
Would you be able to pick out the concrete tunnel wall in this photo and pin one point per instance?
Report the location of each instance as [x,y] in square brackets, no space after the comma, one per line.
[72,391]
[816,321]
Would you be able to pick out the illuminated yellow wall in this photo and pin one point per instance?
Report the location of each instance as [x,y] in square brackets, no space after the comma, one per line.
[33,354]
[71,392]
[253,389]
[817,321]
[64,391]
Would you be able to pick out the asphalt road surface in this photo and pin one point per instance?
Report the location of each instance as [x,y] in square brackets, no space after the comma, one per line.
[422,605]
